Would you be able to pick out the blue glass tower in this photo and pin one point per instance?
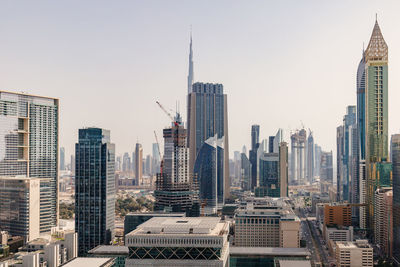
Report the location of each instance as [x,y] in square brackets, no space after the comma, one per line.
[94,189]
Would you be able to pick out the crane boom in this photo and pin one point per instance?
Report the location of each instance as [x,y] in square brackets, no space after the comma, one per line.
[168,114]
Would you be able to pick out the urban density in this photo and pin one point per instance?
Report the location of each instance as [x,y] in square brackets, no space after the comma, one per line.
[192,200]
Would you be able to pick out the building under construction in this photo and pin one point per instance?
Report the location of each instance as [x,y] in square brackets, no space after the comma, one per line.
[176,188]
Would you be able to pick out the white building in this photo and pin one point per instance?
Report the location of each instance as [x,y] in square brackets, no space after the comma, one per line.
[354,254]
[166,241]
[339,234]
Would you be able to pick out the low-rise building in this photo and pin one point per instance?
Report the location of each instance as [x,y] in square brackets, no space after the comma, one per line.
[166,241]
[354,254]
[339,233]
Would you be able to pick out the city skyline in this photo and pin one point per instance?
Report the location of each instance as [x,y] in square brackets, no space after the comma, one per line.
[125,72]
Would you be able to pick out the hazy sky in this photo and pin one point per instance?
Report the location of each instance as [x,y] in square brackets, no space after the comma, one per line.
[109,61]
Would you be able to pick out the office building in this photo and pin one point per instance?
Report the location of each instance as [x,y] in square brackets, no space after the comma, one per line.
[62,158]
[94,189]
[337,214]
[255,143]
[20,206]
[201,241]
[155,159]
[338,233]
[395,151]
[209,168]
[317,160]
[126,163]
[29,134]
[139,164]
[339,162]
[118,253]
[266,222]
[245,172]
[208,118]
[354,254]
[298,156]
[176,188]
[383,221]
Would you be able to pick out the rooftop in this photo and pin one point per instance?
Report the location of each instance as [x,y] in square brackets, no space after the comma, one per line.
[182,226]
[294,263]
[268,251]
[92,262]
[356,244]
[111,250]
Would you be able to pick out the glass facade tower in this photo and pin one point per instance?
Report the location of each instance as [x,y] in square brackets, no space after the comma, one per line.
[94,189]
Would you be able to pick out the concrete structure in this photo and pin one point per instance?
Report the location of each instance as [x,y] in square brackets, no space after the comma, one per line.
[29,132]
[338,233]
[20,207]
[94,189]
[266,223]
[90,261]
[138,164]
[176,188]
[383,232]
[71,244]
[119,253]
[52,255]
[200,241]
[354,254]
[208,118]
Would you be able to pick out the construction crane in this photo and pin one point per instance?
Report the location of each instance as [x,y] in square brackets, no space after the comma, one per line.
[168,114]
[159,151]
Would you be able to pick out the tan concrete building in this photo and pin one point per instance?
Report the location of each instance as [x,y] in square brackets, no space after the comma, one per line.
[354,254]
[271,224]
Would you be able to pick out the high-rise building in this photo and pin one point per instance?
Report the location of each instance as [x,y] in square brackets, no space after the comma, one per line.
[29,146]
[139,164]
[148,165]
[347,157]
[374,101]
[383,221]
[395,150]
[207,118]
[126,163]
[337,214]
[317,160]
[94,189]
[72,164]
[326,167]
[191,70]
[310,157]
[176,188]
[155,159]
[209,168]
[255,143]
[20,206]
[245,172]
[298,156]
[62,158]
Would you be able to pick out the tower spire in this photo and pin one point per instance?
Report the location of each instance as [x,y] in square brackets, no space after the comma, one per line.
[190,75]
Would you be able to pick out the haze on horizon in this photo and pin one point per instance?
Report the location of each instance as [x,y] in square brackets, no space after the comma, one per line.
[281,64]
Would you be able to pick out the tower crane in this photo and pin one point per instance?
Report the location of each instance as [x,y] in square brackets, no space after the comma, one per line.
[168,114]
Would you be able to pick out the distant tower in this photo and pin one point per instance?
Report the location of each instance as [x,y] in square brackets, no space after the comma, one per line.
[255,143]
[190,75]
[62,158]
[139,164]
[94,189]
[310,157]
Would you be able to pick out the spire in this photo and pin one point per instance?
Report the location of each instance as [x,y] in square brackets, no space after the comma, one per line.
[377,48]
[190,75]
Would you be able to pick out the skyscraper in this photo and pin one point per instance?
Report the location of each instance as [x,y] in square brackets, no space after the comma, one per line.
[207,117]
[326,167]
[395,150]
[94,189]
[255,143]
[176,188]
[62,158]
[126,162]
[339,162]
[245,172]
[139,164]
[191,74]
[29,146]
[376,113]
[298,156]
[310,157]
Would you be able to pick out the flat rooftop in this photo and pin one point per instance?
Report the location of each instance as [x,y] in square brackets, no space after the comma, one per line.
[109,250]
[92,262]
[294,263]
[268,251]
[180,226]
[356,244]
